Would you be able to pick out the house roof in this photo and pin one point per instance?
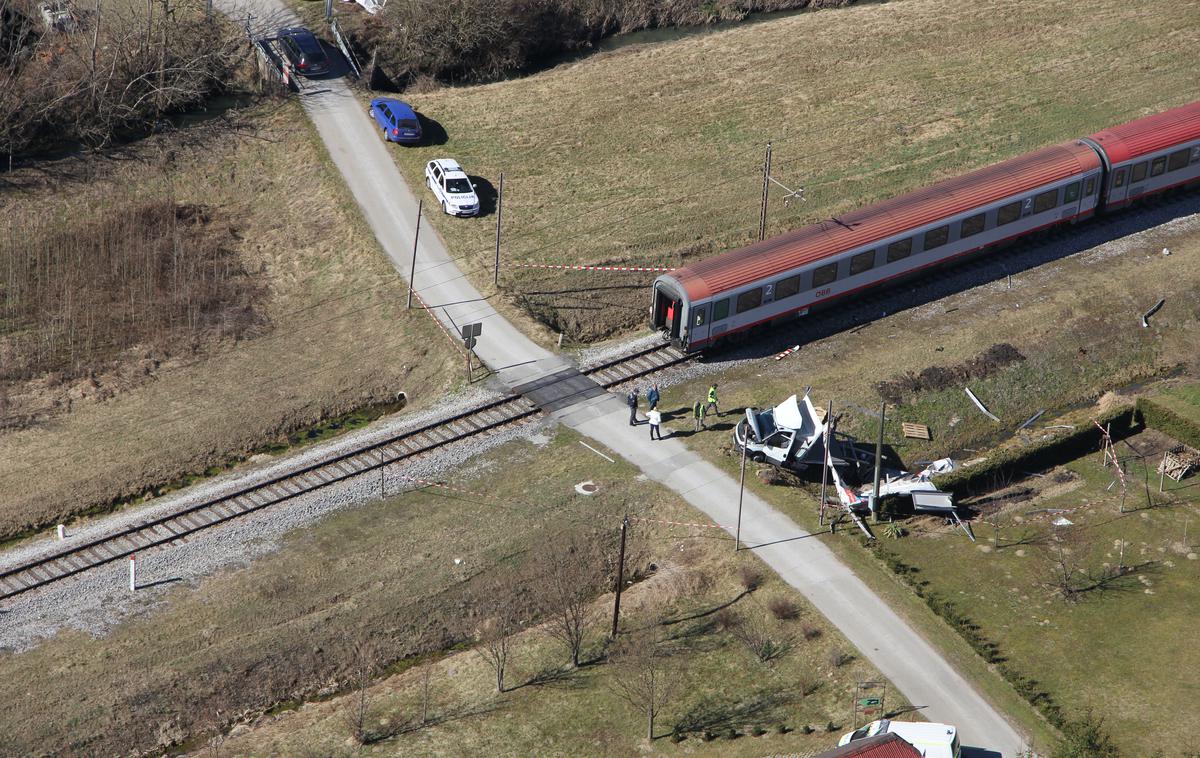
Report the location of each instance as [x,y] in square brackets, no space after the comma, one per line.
[887,745]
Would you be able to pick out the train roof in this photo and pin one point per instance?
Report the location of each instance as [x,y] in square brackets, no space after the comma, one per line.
[1150,134]
[742,266]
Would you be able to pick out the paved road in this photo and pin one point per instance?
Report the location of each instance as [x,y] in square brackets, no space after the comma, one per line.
[389,206]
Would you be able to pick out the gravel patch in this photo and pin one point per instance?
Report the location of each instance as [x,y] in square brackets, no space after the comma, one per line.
[100,598]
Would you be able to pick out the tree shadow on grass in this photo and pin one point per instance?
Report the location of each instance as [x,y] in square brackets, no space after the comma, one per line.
[726,712]
[553,676]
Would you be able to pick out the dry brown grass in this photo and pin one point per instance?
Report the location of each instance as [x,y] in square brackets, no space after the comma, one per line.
[287,627]
[652,155]
[340,336]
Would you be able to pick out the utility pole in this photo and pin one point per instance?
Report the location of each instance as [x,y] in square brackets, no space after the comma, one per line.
[737,535]
[412,271]
[499,213]
[878,464]
[766,190]
[620,577]
[825,459]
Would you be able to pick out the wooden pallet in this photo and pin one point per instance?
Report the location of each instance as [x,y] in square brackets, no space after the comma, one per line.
[1178,461]
[915,431]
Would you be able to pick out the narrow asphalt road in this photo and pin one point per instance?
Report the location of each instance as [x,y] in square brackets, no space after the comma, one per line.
[389,207]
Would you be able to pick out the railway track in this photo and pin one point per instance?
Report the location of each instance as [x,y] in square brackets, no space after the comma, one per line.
[187,521]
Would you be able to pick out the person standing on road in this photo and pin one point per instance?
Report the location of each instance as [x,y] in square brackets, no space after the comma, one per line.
[698,413]
[655,418]
[652,397]
[632,400]
[712,399]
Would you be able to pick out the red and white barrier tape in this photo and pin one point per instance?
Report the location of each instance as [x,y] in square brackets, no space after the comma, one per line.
[456,340]
[452,488]
[590,268]
[676,523]
[786,353]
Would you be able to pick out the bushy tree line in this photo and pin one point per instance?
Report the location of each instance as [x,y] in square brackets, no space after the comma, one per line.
[115,68]
[479,40]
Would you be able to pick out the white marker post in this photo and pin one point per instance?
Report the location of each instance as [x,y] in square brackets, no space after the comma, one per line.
[62,532]
[132,573]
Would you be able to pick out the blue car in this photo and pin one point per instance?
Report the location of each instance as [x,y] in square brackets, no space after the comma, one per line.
[397,119]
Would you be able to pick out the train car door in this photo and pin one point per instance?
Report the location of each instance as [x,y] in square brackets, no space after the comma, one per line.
[668,312]
[1118,186]
[698,328]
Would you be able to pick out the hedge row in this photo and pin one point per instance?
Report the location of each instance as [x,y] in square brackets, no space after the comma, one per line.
[1001,465]
[1167,421]
[1030,689]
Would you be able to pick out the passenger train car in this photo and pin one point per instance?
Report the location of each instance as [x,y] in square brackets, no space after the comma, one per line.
[795,273]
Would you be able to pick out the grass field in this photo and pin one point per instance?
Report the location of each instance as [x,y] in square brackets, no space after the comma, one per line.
[653,155]
[408,572]
[335,337]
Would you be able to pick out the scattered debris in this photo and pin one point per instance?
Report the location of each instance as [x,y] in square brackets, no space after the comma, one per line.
[1166,251]
[915,431]
[1063,521]
[980,405]
[59,16]
[597,452]
[1032,418]
[1060,426]
[786,353]
[1151,312]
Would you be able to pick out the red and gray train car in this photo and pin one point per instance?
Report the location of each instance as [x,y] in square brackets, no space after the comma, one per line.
[769,282]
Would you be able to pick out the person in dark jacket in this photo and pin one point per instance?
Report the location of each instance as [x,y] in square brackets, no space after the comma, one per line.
[632,401]
[652,397]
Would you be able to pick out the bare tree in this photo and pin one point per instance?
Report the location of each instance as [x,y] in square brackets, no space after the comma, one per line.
[364,658]
[1069,572]
[645,674]
[501,598]
[573,569]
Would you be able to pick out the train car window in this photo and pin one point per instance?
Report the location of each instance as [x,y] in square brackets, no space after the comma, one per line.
[899,250]
[1178,159]
[1196,154]
[1119,178]
[972,225]
[1008,213]
[823,275]
[748,301]
[787,287]
[721,309]
[1089,187]
[1158,165]
[1045,201]
[862,262]
[700,316]
[936,237]
[1138,174]
[1071,194]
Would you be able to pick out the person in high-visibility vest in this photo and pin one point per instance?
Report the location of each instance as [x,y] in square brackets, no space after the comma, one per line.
[712,399]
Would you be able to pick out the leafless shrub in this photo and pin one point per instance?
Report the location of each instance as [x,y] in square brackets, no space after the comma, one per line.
[356,715]
[757,637]
[645,674]
[750,577]
[784,609]
[1070,569]
[839,657]
[810,632]
[934,378]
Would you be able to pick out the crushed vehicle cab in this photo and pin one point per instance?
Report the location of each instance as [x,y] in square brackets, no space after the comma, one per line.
[788,435]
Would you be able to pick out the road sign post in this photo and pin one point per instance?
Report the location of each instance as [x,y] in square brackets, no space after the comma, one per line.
[469,333]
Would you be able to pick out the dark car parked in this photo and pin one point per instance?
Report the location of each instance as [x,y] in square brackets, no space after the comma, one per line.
[304,51]
[397,119]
